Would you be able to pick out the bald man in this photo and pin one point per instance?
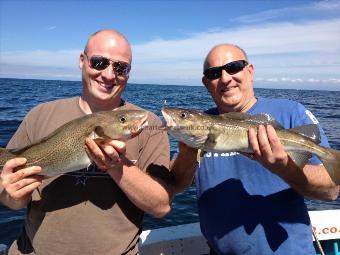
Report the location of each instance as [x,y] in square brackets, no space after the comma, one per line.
[98,210]
[252,206]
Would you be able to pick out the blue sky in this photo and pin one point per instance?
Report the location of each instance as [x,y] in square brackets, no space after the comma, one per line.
[293,44]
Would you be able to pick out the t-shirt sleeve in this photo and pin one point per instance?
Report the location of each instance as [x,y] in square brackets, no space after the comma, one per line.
[26,132]
[20,138]
[307,117]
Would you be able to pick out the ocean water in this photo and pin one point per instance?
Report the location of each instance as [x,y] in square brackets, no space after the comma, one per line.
[18,96]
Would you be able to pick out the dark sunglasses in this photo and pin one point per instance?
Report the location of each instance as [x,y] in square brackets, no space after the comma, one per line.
[100,63]
[231,68]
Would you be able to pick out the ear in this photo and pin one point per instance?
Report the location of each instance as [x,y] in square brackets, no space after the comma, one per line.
[251,71]
[81,60]
[205,82]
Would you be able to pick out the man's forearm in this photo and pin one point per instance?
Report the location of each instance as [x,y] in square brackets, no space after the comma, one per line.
[313,182]
[183,168]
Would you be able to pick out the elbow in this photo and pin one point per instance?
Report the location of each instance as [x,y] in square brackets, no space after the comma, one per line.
[330,195]
[333,194]
[161,211]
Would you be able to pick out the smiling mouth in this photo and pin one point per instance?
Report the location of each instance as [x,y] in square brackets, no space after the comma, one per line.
[106,86]
[226,89]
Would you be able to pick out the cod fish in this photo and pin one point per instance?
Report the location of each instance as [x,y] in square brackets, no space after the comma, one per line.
[64,149]
[228,133]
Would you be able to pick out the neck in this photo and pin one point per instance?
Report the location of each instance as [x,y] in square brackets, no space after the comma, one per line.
[249,104]
[91,106]
[239,108]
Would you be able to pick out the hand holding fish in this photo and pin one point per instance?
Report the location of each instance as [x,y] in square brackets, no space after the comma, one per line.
[267,148]
[19,185]
[107,153]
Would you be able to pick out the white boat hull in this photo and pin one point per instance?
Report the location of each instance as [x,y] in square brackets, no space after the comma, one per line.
[187,239]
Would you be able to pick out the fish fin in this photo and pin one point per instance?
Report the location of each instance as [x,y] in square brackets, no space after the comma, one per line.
[17,151]
[265,119]
[101,140]
[332,165]
[235,115]
[199,140]
[99,131]
[310,131]
[300,158]
[210,141]
[257,119]
[200,154]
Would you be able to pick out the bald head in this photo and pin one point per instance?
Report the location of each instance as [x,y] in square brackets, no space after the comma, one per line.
[109,38]
[225,51]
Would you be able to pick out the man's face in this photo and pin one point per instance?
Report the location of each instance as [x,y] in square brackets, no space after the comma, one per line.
[104,85]
[231,92]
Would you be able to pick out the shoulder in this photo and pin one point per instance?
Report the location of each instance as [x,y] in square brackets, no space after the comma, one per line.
[288,112]
[281,103]
[46,117]
[53,105]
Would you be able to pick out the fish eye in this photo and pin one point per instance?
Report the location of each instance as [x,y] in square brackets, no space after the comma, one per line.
[122,119]
[183,115]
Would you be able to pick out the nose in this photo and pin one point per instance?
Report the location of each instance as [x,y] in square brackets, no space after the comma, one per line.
[225,77]
[108,73]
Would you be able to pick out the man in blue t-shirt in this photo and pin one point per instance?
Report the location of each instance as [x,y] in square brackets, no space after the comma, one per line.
[252,206]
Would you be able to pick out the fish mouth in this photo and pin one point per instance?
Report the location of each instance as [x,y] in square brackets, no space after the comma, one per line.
[169,123]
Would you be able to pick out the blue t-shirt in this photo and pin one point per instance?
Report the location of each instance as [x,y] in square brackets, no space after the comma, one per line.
[246,209]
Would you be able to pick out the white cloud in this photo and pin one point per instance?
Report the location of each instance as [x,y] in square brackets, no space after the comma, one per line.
[61,58]
[274,38]
[326,9]
[302,52]
[298,51]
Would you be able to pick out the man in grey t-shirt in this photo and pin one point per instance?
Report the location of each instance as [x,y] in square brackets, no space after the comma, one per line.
[98,211]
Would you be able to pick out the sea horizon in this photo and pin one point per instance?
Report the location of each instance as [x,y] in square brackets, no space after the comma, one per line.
[186,85]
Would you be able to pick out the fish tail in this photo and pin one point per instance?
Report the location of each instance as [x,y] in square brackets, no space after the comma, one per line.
[332,164]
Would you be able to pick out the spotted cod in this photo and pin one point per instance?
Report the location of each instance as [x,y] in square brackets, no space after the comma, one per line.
[228,133]
[64,150]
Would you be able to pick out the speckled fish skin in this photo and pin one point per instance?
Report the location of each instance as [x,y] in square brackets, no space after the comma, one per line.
[64,150]
[229,133]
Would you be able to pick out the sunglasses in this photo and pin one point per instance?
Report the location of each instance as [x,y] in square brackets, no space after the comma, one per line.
[100,63]
[231,68]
